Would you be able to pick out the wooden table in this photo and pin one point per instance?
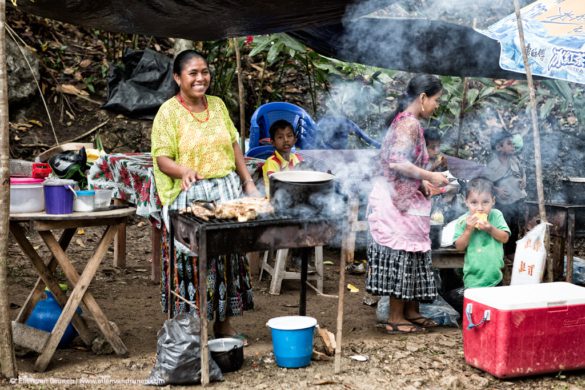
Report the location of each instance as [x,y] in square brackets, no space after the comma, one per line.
[45,224]
[568,222]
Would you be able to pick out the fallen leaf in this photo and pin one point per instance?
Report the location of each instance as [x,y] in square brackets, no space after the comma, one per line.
[80,243]
[327,262]
[36,122]
[85,63]
[141,224]
[71,90]
[68,70]
[352,288]
[80,231]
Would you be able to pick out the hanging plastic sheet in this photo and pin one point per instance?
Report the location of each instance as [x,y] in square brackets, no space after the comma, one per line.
[141,84]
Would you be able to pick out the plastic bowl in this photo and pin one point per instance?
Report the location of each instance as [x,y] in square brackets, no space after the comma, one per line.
[84,201]
[26,195]
[103,199]
[228,353]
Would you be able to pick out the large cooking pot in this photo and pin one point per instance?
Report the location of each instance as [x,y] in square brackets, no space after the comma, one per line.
[303,193]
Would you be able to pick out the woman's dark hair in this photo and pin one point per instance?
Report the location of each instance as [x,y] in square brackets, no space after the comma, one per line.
[180,61]
[183,57]
[480,185]
[423,83]
[432,134]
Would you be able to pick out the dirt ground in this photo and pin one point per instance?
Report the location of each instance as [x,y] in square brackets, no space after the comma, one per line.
[130,299]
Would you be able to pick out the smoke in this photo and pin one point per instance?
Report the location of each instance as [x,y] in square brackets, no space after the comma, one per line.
[370,36]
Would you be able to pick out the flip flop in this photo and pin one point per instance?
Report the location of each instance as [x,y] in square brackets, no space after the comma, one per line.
[395,328]
[423,322]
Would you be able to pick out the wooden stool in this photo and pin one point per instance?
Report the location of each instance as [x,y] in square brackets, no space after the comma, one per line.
[279,272]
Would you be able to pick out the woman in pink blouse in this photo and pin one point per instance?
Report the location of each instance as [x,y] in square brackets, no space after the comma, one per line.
[399,251]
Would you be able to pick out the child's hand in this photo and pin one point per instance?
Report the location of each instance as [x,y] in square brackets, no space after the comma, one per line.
[471,221]
[483,225]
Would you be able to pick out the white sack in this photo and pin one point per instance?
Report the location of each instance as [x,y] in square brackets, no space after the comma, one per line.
[530,257]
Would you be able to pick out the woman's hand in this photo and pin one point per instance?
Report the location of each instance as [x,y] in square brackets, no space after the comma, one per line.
[438,179]
[250,189]
[430,190]
[189,177]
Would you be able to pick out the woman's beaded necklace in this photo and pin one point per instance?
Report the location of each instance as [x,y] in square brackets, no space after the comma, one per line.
[180,99]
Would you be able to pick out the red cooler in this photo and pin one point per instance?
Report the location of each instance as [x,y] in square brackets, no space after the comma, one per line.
[525,330]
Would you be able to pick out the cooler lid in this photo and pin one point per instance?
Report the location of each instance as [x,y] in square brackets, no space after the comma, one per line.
[25,180]
[85,193]
[528,296]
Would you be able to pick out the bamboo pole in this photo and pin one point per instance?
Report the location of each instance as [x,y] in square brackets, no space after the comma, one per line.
[535,135]
[240,95]
[7,359]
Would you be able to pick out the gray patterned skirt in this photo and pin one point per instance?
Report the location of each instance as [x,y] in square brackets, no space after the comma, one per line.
[229,289]
[400,274]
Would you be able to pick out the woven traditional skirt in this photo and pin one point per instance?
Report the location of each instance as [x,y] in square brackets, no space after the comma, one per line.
[229,290]
[400,274]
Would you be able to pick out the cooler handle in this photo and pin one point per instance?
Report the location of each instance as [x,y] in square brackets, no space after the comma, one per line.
[470,324]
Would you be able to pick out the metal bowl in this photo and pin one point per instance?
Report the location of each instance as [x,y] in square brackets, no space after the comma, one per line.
[228,353]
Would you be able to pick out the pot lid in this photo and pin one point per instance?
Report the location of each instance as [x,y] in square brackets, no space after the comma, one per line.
[85,193]
[59,182]
[25,180]
[302,176]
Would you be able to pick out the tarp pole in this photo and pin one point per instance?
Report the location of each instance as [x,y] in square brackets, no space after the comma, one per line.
[535,134]
[7,359]
[240,95]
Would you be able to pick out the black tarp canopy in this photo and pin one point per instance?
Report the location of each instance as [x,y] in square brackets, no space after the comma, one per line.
[415,45]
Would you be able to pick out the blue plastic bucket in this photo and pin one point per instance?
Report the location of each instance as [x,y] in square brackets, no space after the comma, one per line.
[59,196]
[292,340]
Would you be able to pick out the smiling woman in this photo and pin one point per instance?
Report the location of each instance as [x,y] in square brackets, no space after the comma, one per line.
[197,157]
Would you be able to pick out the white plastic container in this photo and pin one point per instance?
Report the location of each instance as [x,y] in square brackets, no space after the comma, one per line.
[84,201]
[26,195]
[103,199]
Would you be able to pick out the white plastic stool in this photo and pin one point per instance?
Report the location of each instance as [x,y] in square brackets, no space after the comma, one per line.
[279,272]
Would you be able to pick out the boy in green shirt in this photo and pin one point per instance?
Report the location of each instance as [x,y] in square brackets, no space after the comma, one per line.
[481,232]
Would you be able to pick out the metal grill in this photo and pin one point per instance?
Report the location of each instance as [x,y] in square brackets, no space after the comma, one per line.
[270,232]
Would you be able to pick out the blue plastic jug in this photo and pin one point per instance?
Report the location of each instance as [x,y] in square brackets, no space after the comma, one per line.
[44,316]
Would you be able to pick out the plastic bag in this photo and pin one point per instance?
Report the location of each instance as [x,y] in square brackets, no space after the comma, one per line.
[71,164]
[141,84]
[178,354]
[439,311]
[530,257]
[578,270]
[448,234]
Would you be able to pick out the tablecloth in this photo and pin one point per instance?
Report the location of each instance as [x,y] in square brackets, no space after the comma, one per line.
[131,177]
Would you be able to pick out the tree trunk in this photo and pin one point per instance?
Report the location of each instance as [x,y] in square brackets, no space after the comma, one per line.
[7,360]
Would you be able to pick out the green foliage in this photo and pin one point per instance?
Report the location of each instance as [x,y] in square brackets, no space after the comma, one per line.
[566,99]
[480,91]
[221,59]
[284,52]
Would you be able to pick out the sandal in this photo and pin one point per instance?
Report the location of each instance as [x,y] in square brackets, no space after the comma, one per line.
[423,322]
[395,327]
